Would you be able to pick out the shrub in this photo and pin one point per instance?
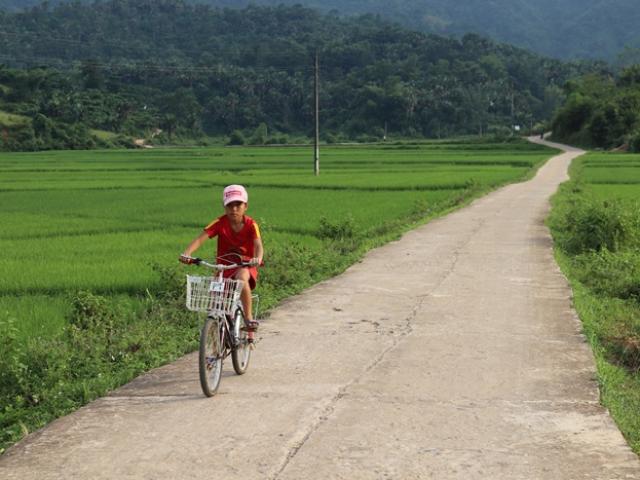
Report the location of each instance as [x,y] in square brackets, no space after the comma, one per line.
[575,114]
[341,236]
[338,230]
[18,138]
[237,138]
[420,208]
[606,126]
[332,138]
[260,135]
[621,335]
[291,267]
[499,133]
[9,356]
[611,274]
[367,138]
[31,382]
[586,224]
[634,142]
[123,141]
[105,344]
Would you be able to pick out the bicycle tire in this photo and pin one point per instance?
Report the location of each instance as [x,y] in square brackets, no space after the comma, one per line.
[241,352]
[210,357]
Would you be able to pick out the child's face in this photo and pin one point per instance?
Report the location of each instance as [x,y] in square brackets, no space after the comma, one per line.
[235,210]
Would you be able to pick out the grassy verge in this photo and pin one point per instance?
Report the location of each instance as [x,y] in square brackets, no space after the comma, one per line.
[616,352]
[597,247]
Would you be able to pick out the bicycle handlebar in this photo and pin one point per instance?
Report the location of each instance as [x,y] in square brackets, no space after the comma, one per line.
[215,266]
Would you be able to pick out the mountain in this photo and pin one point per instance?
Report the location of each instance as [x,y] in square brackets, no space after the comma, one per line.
[135,66]
[591,29]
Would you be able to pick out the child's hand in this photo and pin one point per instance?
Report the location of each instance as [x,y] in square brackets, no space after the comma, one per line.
[255,261]
[188,260]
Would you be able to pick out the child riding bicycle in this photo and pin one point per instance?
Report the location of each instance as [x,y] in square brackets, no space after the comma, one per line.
[238,241]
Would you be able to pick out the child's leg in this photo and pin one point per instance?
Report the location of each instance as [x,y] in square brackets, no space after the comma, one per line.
[245,297]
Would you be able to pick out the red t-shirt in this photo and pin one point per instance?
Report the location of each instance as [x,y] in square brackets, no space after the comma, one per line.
[230,242]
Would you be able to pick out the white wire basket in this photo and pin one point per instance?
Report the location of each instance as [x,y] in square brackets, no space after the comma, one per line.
[208,294]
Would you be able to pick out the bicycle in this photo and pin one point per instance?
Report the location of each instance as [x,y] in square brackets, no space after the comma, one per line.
[225,330]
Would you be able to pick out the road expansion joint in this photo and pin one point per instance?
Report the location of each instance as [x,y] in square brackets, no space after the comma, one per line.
[545,337]
[149,399]
[473,404]
[329,407]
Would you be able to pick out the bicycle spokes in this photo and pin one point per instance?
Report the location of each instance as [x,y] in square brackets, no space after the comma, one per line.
[211,356]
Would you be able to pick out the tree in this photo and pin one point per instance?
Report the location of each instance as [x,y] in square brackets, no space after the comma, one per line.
[372,73]
[91,74]
[260,135]
[237,138]
[574,115]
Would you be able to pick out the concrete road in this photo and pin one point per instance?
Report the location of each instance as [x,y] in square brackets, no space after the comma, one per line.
[453,353]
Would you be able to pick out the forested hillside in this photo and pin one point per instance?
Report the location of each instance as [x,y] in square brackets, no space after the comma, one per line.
[602,111]
[137,67]
[594,29]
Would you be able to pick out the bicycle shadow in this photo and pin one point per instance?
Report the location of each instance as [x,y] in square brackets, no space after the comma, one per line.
[178,381]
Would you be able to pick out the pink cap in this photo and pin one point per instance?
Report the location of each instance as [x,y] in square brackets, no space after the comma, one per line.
[234,193]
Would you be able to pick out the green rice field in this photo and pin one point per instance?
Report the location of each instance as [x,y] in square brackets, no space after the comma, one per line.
[611,175]
[98,220]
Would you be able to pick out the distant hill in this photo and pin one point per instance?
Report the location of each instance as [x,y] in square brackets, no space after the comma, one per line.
[591,29]
[138,66]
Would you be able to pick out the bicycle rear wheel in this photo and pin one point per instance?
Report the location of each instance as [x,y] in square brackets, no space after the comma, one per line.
[241,352]
[210,358]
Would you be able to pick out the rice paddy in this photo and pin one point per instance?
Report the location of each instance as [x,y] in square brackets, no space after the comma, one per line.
[99,220]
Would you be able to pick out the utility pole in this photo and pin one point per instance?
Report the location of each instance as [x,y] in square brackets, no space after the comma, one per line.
[316,143]
[513,109]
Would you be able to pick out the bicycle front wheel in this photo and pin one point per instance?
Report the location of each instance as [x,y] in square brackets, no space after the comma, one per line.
[241,352]
[211,353]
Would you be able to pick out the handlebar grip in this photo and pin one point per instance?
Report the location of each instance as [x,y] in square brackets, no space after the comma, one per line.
[189,260]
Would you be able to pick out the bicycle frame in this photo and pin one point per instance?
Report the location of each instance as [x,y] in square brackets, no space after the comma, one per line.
[229,342]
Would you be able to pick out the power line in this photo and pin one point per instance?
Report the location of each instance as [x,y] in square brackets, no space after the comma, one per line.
[47,41]
[123,67]
[231,57]
[27,39]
